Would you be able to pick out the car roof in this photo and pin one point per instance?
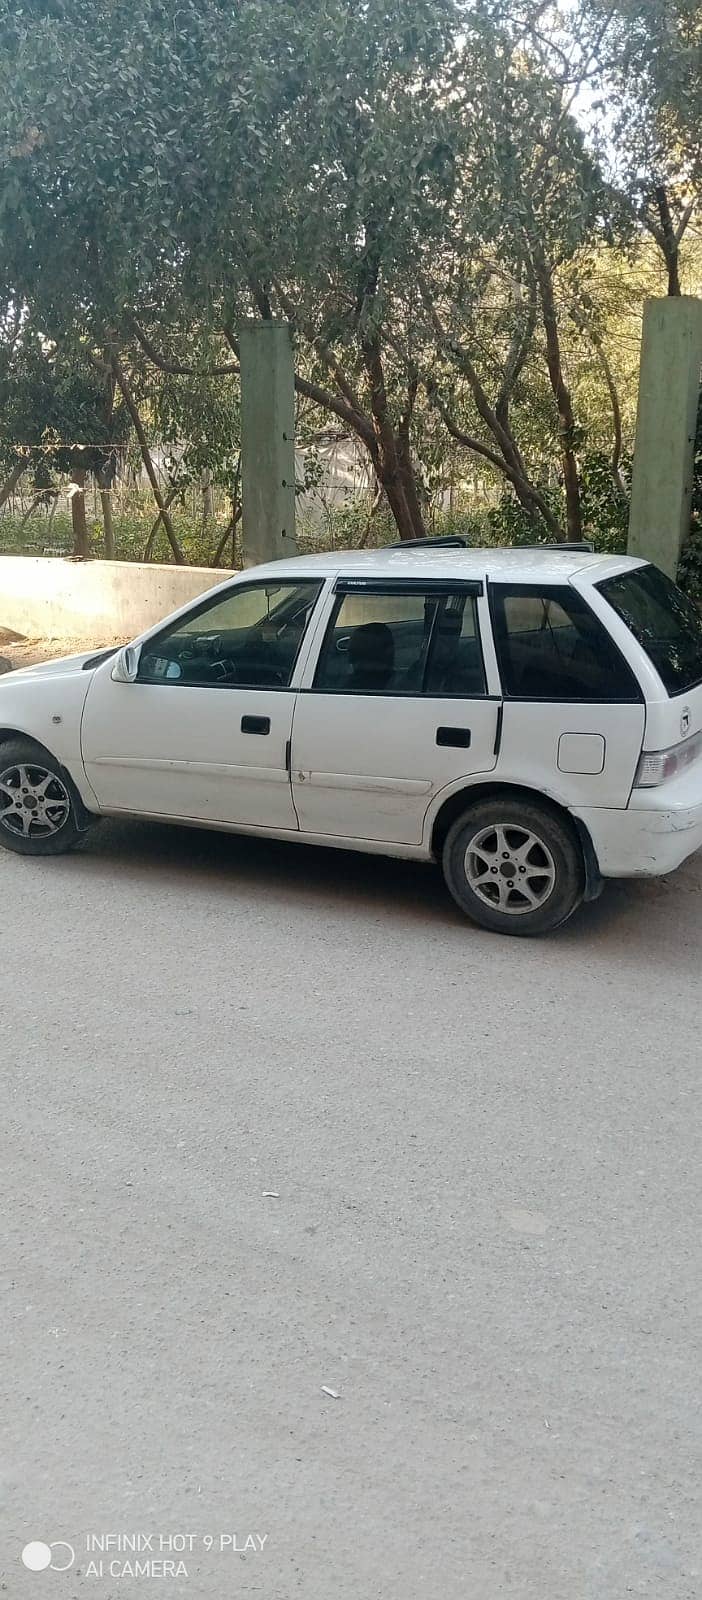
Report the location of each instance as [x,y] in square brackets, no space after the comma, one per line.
[547,564]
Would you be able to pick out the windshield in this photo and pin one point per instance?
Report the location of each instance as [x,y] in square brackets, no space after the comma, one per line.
[663,620]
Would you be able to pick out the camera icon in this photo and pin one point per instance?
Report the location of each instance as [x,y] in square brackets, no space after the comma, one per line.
[37,1556]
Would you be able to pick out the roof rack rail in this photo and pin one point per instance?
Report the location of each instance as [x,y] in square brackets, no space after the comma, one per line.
[557,544]
[452,541]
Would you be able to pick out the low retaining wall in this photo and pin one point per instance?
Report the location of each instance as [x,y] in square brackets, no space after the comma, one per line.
[96,602]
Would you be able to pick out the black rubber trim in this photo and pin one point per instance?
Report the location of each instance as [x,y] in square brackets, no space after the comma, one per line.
[451,541]
[594,881]
[96,661]
[400,586]
[402,694]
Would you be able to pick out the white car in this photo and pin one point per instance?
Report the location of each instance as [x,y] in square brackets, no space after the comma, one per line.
[532,719]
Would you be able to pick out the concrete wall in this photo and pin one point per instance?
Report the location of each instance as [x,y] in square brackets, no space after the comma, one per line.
[96,602]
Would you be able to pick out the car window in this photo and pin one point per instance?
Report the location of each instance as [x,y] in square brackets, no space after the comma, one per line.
[551,646]
[663,620]
[454,656]
[422,642]
[247,638]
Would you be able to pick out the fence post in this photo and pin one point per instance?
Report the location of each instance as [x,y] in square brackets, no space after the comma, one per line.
[267,441]
[669,386]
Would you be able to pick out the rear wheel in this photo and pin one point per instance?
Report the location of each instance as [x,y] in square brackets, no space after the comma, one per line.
[37,806]
[513,866]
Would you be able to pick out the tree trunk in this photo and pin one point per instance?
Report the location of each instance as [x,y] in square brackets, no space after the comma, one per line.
[107,524]
[229,533]
[397,501]
[81,538]
[561,393]
[669,241]
[148,463]
[207,498]
[390,459]
[12,481]
[149,546]
[37,501]
[230,530]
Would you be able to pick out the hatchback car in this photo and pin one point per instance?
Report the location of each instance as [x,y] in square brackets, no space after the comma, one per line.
[531,719]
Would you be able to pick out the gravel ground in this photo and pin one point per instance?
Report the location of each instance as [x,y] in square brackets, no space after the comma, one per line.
[27,652]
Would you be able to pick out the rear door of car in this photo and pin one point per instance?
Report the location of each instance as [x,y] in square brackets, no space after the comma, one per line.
[393,708]
[573,709]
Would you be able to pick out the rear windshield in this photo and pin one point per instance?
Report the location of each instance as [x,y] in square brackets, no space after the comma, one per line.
[665,622]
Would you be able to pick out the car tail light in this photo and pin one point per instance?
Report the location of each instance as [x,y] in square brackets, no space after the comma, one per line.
[659,766]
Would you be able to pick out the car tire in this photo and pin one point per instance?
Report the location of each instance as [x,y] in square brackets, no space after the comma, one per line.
[38,804]
[514,866]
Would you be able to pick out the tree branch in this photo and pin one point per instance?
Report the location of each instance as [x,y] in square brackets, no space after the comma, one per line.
[515,363]
[323,350]
[596,342]
[670,243]
[529,496]
[462,360]
[12,480]
[148,547]
[561,392]
[684,220]
[175,367]
[357,421]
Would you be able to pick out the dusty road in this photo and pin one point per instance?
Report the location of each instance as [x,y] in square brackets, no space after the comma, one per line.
[484,1234]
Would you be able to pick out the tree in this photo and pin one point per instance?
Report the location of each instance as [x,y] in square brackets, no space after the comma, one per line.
[634,72]
[403,180]
[59,417]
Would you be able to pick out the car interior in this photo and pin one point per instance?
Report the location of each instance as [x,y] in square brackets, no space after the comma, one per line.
[548,653]
[437,653]
[260,655]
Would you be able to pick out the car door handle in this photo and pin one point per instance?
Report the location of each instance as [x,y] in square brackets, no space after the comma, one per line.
[255,724]
[460,737]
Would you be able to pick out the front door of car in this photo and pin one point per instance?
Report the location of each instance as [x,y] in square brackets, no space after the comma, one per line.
[202,733]
[397,709]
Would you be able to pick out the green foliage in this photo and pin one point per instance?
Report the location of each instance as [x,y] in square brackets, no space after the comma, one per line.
[605,507]
[57,409]
[508,523]
[402,178]
[605,510]
[690,568]
[37,537]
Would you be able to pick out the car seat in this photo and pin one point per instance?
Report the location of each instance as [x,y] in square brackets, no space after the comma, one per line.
[372,658]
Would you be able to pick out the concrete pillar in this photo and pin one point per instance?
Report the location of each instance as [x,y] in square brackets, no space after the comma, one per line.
[267,441]
[669,386]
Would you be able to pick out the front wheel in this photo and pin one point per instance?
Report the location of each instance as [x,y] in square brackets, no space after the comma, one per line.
[37,806]
[513,866]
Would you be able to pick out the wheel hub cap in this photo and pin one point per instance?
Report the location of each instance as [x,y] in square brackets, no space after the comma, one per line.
[510,869]
[34,802]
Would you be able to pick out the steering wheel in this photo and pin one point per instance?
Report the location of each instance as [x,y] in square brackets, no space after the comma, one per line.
[203,644]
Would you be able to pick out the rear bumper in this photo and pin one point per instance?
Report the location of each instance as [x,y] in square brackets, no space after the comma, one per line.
[649,837]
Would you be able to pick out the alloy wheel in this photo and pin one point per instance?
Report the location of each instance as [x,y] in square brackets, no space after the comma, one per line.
[34,802]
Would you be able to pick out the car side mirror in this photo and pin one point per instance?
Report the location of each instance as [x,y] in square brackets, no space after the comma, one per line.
[126,665]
